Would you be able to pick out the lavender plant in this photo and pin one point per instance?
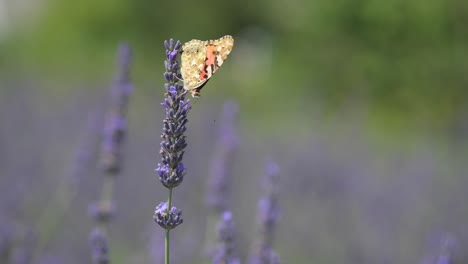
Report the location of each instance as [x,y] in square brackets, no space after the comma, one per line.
[221,167]
[226,249]
[110,160]
[52,218]
[218,191]
[115,126]
[267,218]
[99,246]
[171,170]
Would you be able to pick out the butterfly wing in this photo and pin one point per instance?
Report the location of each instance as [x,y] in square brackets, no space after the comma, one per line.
[217,52]
[201,59]
[193,64]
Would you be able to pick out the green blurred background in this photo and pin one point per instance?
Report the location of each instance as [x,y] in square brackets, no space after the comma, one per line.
[363,104]
[404,60]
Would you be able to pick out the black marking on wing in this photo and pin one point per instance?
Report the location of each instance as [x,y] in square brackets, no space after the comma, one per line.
[197,90]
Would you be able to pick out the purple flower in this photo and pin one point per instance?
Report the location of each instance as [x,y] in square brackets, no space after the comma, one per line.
[116,123]
[167,219]
[171,170]
[111,147]
[100,250]
[226,251]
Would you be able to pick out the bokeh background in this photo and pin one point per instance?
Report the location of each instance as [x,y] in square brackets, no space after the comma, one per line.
[363,105]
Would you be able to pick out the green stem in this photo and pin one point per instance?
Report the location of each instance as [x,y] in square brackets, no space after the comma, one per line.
[166,242]
[169,201]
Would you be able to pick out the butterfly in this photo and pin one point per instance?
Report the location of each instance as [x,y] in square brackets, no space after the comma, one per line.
[201,59]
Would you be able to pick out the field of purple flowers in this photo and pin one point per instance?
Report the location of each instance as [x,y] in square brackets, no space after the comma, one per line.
[81,173]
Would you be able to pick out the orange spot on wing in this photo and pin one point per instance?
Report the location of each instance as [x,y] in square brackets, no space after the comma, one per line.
[210,55]
[210,60]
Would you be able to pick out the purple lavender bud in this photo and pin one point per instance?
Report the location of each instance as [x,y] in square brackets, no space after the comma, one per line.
[168,76]
[226,250]
[171,178]
[100,250]
[102,211]
[178,45]
[172,55]
[167,219]
[171,170]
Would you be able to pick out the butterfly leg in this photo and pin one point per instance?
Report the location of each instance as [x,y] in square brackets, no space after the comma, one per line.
[178,78]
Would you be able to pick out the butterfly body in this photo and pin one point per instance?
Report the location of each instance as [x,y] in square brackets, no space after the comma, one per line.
[201,59]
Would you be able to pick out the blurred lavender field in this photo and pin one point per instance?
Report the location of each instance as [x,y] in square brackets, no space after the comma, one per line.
[336,132]
[344,197]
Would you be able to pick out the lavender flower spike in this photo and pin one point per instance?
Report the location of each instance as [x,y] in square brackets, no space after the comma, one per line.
[218,191]
[98,241]
[115,127]
[268,215]
[268,210]
[171,171]
[225,253]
